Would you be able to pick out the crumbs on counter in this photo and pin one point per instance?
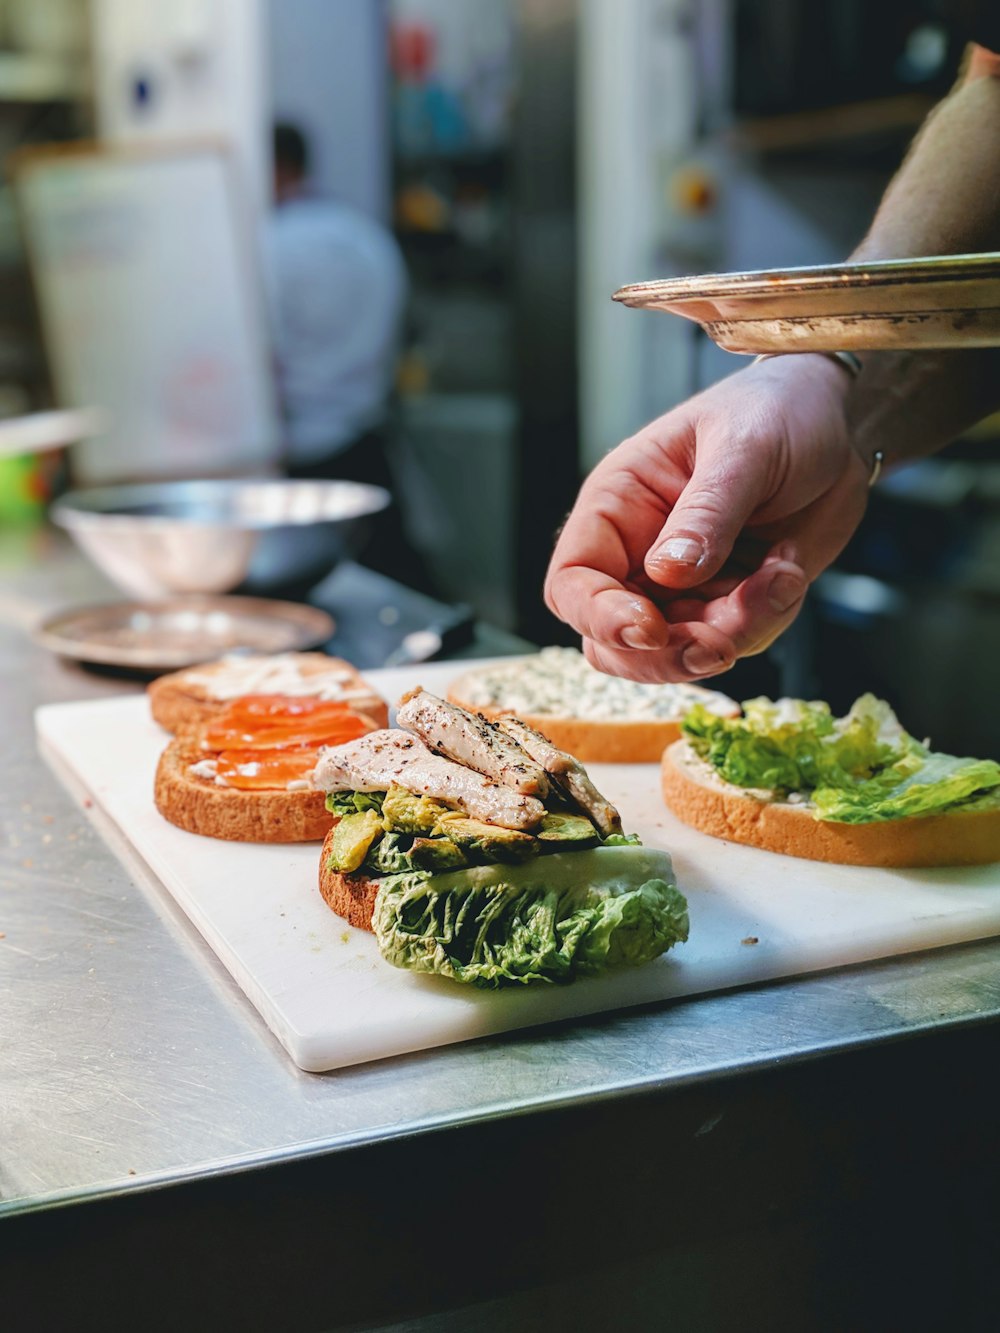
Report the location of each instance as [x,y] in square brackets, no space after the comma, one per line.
[750,939]
[345,937]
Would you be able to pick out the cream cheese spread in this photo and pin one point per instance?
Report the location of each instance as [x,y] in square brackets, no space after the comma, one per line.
[560,682]
[236,675]
[208,769]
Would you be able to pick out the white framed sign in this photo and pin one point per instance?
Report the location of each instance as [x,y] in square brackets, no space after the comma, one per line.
[146,274]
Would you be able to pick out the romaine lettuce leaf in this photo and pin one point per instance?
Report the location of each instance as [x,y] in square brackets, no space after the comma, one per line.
[390,856]
[941,783]
[547,920]
[354,802]
[860,768]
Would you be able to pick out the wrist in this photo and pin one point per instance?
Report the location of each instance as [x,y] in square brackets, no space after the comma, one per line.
[812,368]
[849,362]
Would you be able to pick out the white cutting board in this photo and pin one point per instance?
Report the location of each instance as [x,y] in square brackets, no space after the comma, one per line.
[323,989]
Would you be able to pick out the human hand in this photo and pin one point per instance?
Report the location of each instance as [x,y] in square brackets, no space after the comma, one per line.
[693,543]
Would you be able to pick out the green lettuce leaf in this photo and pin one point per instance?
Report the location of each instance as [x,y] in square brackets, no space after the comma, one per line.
[354,802]
[543,921]
[942,782]
[860,768]
[390,856]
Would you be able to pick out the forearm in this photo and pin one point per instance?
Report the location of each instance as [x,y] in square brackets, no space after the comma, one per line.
[945,199]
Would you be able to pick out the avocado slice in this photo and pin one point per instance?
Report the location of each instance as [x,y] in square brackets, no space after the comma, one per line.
[487,842]
[403,812]
[399,852]
[437,854]
[352,840]
[565,828]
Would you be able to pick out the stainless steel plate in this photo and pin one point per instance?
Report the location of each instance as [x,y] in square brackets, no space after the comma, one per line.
[949,301]
[181,631]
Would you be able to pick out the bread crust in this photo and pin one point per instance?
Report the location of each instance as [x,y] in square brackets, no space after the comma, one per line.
[350,896]
[918,840]
[201,806]
[181,704]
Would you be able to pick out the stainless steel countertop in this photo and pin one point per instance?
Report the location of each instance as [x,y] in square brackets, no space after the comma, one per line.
[129,1058]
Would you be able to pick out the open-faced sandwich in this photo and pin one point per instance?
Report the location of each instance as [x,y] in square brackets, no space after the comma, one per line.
[790,777]
[186,699]
[245,774]
[598,718]
[480,852]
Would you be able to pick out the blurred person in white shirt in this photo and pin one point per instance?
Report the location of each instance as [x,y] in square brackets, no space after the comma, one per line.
[337,288]
[337,291]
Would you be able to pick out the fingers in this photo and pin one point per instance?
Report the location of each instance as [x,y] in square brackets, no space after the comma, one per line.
[728,484]
[697,651]
[685,638]
[747,559]
[590,583]
[706,636]
[756,611]
[600,608]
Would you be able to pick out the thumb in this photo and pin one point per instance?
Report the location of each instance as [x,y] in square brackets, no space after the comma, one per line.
[725,488]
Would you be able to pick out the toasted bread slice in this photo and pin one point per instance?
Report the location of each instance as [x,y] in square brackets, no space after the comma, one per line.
[617,739]
[200,805]
[595,742]
[350,896]
[707,802]
[184,700]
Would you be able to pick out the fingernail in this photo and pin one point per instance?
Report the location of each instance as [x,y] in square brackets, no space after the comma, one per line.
[680,550]
[786,553]
[784,591]
[701,660]
[634,636]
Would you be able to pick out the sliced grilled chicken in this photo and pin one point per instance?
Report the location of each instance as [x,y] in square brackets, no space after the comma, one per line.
[472,741]
[383,759]
[566,772]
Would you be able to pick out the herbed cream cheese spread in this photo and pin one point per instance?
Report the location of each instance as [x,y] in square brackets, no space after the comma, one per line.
[560,682]
[236,675]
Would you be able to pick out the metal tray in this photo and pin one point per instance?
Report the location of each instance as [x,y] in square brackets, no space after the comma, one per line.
[948,301]
[181,631]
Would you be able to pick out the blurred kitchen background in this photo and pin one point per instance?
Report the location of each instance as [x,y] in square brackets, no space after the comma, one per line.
[529,157]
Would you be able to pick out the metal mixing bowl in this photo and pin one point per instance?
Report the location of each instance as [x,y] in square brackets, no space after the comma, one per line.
[163,538]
